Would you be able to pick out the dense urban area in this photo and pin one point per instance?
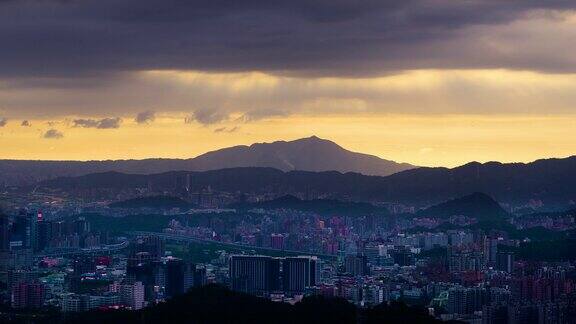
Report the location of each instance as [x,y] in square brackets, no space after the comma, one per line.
[287,161]
[467,259]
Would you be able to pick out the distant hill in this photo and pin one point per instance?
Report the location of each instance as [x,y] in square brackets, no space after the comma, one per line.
[308,154]
[548,181]
[487,212]
[476,205]
[318,206]
[157,202]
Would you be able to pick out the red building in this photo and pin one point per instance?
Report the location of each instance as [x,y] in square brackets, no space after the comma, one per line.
[28,295]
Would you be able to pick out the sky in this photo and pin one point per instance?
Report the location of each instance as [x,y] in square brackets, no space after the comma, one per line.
[428,82]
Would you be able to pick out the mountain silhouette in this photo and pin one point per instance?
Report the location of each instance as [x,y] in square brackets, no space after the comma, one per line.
[550,182]
[306,154]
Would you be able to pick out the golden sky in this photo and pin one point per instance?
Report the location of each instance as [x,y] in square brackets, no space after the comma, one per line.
[411,83]
[445,140]
[423,117]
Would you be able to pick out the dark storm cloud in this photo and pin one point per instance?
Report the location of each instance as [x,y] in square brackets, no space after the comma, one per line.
[105,123]
[207,116]
[53,134]
[26,123]
[145,117]
[331,37]
[3,122]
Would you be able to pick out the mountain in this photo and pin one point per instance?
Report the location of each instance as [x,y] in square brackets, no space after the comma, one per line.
[477,205]
[308,154]
[489,215]
[550,182]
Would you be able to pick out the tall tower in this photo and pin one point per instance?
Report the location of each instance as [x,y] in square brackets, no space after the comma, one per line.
[255,274]
[298,273]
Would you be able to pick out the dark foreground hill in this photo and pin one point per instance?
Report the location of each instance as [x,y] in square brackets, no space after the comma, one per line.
[214,304]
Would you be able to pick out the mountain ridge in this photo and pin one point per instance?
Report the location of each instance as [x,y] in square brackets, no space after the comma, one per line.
[549,182]
[307,154]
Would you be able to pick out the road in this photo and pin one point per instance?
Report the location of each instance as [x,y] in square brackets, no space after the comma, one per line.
[106,249]
[189,239]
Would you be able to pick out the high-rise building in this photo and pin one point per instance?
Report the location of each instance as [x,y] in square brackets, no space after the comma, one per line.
[153,245]
[143,272]
[189,270]
[258,275]
[18,258]
[84,264]
[372,252]
[356,265]
[81,226]
[19,276]
[298,273]
[174,270]
[4,232]
[71,303]
[523,313]
[21,232]
[29,295]
[459,261]
[463,300]
[200,277]
[505,261]
[277,241]
[132,294]
[401,256]
[44,234]
[194,276]
[495,314]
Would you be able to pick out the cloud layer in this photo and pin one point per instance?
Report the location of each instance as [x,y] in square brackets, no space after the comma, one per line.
[209,98]
[105,123]
[53,134]
[254,59]
[300,37]
[145,117]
